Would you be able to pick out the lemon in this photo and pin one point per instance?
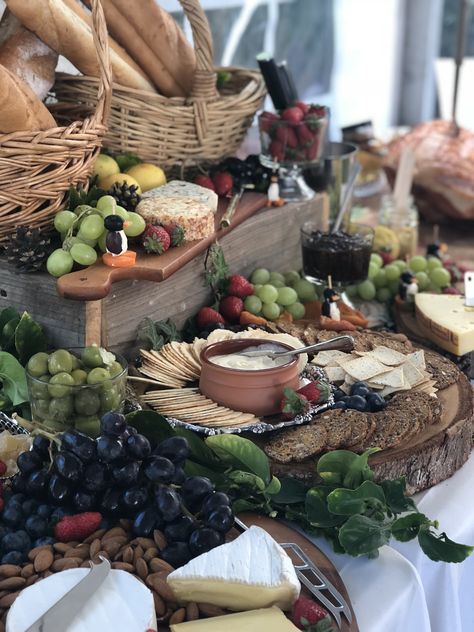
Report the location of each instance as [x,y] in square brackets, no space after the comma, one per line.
[147,175]
[385,239]
[105,166]
[119,178]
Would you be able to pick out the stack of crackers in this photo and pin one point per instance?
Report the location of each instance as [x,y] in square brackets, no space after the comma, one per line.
[384,370]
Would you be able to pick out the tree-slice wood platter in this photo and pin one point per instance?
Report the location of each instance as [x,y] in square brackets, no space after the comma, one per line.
[94,283]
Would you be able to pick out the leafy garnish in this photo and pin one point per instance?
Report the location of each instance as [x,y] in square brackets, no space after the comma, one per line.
[216,271]
[155,334]
[78,196]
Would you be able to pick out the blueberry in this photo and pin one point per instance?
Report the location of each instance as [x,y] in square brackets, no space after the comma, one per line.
[358,389]
[16,541]
[28,462]
[356,402]
[44,541]
[17,498]
[338,394]
[13,557]
[360,384]
[30,506]
[375,402]
[38,483]
[36,526]
[44,511]
[340,404]
[12,516]
[57,515]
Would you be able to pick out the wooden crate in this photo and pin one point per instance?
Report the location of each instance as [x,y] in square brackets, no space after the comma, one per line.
[268,239]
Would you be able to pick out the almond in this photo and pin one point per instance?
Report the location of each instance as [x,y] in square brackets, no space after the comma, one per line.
[94,548]
[66,563]
[141,567]
[160,606]
[6,602]
[112,533]
[38,549]
[145,543]
[9,570]
[85,564]
[47,574]
[2,626]
[178,616]
[111,546]
[123,566]
[150,553]
[127,555]
[27,571]
[192,611]
[93,536]
[161,587]
[12,583]
[208,610]
[61,547]
[81,551]
[137,554]
[157,564]
[43,560]
[160,539]
[32,580]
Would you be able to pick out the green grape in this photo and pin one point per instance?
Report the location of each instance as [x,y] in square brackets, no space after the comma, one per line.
[383,295]
[101,241]
[92,243]
[60,385]
[393,286]
[377,259]
[76,363]
[137,225]
[392,272]
[88,424]
[91,357]
[402,265]
[115,369]
[276,276]
[92,227]
[64,220]
[434,262]
[423,281]
[373,269]
[291,277]
[256,287]
[277,283]
[440,277]
[267,293]
[84,208]
[434,289]
[79,376]
[121,212]
[38,364]
[40,409]
[286,296]
[351,291]
[60,361]
[366,290]
[380,279]
[84,255]
[253,304]
[110,400]
[59,263]
[271,311]
[106,205]
[260,276]
[39,388]
[69,242]
[61,409]
[297,310]
[305,290]
[417,263]
[87,402]
[98,375]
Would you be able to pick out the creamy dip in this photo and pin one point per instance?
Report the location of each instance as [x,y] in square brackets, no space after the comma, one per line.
[245,363]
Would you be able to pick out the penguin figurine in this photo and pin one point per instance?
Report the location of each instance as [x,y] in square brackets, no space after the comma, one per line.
[436,249]
[408,287]
[273,192]
[116,241]
[329,307]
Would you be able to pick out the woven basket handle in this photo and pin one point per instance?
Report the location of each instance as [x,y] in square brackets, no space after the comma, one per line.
[101,42]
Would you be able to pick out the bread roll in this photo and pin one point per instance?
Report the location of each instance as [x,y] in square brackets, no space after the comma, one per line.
[26,56]
[69,34]
[20,108]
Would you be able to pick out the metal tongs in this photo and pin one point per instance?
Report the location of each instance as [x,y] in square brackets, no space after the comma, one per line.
[342,343]
[314,580]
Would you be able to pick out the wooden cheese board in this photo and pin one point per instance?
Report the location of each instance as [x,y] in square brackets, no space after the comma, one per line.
[94,283]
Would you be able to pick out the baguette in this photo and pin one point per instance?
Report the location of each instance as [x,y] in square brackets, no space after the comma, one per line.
[20,108]
[67,32]
[26,56]
[125,33]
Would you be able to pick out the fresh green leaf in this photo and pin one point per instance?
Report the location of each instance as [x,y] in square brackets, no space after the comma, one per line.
[342,467]
[348,502]
[407,527]
[7,340]
[126,160]
[241,504]
[13,376]
[359,470]
[317,512]
[151,424]
[223,77]
[6,315]
[199,451]
[273,487]
[216,270]
[155,335]
[395,495]
[361,535]
[292,491]
[246,478]
[241,453]
[29,338]
[440,548]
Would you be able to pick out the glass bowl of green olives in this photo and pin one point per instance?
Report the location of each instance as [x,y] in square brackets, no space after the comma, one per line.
[75,387]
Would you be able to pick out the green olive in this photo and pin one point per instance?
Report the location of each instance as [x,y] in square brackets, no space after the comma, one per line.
[110,400]
[88,424]
[87,402]
[76,363]
[91,357]
[60,385]
[61,409]
[39,387]
[60,362]
[115,368]
[79,376]
[38,364]
[55,426]
[40,409]
[98,375]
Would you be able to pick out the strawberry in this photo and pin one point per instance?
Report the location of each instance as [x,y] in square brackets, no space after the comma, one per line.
[304,107]
[292,115]
[3,468]
[204,181]
[313,122]
[155,239]
[277,151]
[292,403]
[307,612]
[286,135]
[311,152]
[320,111]
[231,307]
[315,392]
[305,135]
[387,256]
[223,183]
[176,233]
[207,316]
[78,527]
[239,286]
[267,121]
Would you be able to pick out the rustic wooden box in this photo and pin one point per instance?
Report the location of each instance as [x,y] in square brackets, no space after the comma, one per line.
[268,239]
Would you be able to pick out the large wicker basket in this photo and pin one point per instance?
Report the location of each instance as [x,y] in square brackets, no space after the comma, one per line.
[37,168]
[204,127]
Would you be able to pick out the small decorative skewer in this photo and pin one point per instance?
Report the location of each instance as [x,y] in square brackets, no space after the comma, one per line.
[436,248]
[329,307]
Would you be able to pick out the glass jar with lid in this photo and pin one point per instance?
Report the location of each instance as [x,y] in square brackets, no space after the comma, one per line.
[404,223]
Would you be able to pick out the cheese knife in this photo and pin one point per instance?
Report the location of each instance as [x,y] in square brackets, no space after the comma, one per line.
[62,613]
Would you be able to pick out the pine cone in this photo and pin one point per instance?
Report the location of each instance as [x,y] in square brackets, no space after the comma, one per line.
[126,195]
[28,249]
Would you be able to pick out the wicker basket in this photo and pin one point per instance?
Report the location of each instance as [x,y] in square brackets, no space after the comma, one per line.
[204,127]
[37,168]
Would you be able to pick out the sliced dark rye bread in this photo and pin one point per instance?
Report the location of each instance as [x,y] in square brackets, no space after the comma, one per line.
[444,371]
[297,444]
[338,427]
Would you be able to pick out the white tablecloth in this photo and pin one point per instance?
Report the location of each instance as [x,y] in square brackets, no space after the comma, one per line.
[404,591]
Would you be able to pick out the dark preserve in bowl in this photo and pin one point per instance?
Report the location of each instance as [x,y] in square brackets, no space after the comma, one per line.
[343,256]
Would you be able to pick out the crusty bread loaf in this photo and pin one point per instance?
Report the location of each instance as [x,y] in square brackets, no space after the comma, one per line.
[20,108]
[67,32]
[26,56]
[196,218]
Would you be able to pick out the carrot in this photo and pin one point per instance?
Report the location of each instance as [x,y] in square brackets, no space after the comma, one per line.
[127,260]
[246,318]
[335,325]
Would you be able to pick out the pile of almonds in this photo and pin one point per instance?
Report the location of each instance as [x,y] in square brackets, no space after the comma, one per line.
[139,556]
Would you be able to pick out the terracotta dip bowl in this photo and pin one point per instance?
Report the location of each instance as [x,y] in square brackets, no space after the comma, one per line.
[249,391]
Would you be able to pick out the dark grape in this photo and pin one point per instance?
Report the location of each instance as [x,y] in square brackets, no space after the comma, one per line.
[68,465]
[28,461]
[145,522]
[41,445]
[175,449]
[113,424]
[111,502]
[126,475]
[19,483]
[168,503]
[338,394]
[221,519]
[177,554]
[84,501]
[96,477]
[29,506]
[13,557]
[340,404]
[16,541]
[214,500]
[375,402]
[356,402]
[135,499]
[179,475]
[128,432]
[138,446]
[12,516]
[79,444]
[38,483]
[36,527]
[179,530]
[195,488]
[44,511]
[59,489]
[17,498]
[110,448]
[204,539]
[159,469]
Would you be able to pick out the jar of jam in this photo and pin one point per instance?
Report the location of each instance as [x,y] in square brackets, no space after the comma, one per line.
[403,222]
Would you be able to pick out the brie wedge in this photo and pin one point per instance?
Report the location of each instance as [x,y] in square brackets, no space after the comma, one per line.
[267,620]
[250,572]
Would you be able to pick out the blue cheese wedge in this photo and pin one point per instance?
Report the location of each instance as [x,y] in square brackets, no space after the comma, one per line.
[196,218]
[250,572]
[180,188]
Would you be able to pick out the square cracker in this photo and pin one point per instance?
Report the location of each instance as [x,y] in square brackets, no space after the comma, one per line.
[364,368]
[335,373]
[387,356]
[323,358]
[412,374]
[393,378]
[417,358]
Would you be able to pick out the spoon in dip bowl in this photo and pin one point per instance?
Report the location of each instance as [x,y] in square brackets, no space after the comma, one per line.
[340,343]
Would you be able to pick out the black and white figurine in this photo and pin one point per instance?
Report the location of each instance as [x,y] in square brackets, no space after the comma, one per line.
[329,307]
[408,287]
[116,241]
